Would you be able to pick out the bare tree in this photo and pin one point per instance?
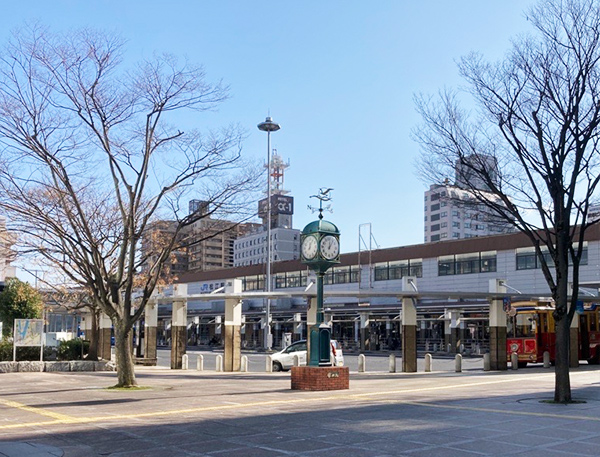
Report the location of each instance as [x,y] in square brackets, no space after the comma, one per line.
[536,113]
[90,160]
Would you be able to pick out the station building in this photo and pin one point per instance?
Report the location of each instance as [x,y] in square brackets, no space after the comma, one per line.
[372,322]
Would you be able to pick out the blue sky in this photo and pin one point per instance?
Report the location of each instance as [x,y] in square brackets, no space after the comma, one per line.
[339,76]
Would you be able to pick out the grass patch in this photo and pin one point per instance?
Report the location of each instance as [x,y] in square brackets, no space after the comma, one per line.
[128,389]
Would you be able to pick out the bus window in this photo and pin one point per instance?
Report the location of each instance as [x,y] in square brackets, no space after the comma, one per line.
[525,325]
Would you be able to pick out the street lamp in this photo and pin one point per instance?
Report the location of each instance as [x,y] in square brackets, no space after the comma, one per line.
[268,126]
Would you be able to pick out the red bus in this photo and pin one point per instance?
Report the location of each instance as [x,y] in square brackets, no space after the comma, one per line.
[530,332]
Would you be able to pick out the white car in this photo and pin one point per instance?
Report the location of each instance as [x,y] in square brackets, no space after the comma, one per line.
[284,359]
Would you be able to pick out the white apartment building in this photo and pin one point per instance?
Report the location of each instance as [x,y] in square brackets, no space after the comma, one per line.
[451,214]
[251,249]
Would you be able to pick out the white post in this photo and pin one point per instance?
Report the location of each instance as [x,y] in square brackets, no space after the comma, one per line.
[458,363]
[200,363]
[514,361]
[219,363]
[184,362]
[546,359]
[392,363]
[269,364]
[362,363]
[244,364]
[486,362]
[428,363]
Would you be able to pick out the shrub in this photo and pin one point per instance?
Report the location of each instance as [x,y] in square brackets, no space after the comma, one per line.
[73,349]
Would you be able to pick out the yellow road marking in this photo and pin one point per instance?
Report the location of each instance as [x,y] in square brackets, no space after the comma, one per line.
[65,419]
[40,411]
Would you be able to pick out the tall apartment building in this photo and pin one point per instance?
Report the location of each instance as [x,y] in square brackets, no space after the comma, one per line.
[452,212]
[207,244]
[211,242]
[251,249]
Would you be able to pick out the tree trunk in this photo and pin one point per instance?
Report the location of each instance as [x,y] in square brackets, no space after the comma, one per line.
[562,385]
[125,366]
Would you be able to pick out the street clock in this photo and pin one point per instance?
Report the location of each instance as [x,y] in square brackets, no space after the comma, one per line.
[320,245]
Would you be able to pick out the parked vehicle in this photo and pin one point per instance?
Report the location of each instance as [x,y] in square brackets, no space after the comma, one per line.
[284,359]
[531,332]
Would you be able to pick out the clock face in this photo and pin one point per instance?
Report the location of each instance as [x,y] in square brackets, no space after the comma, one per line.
[309,247]
[330,247]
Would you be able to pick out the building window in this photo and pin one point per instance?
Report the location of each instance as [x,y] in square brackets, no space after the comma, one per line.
[435,207]
[477,262]
[435,227]
[528,260]
[397,270]
[435,217]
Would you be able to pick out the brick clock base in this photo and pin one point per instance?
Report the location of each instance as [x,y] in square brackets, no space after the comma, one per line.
[320,378]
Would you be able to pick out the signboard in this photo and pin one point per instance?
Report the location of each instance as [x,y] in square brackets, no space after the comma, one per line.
[28,332]
[280,204]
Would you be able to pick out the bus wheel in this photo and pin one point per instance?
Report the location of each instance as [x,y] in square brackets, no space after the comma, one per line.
[522,364]
[594,360]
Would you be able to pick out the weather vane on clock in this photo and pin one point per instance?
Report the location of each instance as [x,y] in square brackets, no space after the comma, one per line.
[322,196]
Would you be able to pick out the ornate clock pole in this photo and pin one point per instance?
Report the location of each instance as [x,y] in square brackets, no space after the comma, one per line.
[320,250]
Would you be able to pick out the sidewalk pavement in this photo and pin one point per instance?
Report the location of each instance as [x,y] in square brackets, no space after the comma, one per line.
[190,413]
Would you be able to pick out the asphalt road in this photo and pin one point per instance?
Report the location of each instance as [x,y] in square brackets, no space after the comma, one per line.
[375,362]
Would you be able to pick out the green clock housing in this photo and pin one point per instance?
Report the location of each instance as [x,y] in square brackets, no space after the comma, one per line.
[320,245]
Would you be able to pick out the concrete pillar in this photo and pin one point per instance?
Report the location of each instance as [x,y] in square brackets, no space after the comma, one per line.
[86,325]
[179,326]
[455,332]
[150,330]
[233,322]
[498,359]
[104,334]
[409,327]
[365,332]
[446,330]
[297,335]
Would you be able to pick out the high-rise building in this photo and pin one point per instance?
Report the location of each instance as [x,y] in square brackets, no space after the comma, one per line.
[207,244]
[453,212]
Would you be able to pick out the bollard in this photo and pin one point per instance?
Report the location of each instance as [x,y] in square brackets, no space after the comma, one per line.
[449,348]
[269,364]
[546,359]
[200,363]
[184,362]
[461,348]
[296,361]
[435,346]
[487,362]
[458,363]
[426,346]
[428,363]
[514,361]
[244,364]
[362,363]
[392,363]
[219,363]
